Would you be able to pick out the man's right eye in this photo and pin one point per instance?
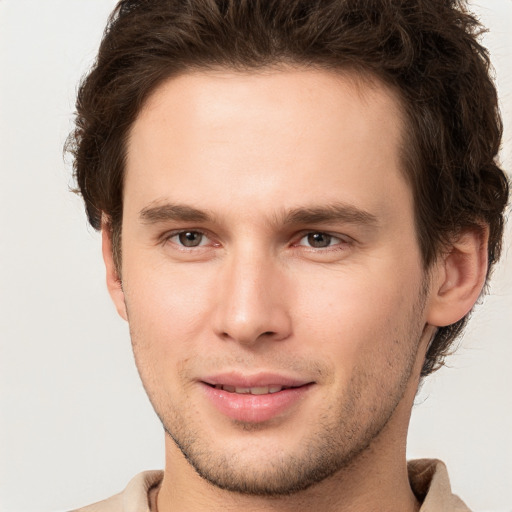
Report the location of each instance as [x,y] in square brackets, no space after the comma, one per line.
[189,238]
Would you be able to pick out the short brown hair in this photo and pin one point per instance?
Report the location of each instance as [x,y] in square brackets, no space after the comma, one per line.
[427,50]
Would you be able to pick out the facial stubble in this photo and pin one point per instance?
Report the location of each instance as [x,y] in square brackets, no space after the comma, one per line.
[334,446]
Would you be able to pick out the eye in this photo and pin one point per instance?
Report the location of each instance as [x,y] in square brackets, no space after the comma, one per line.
[189,238]
[319,240]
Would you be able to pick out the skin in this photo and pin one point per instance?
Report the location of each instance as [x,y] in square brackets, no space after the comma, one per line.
[254,165]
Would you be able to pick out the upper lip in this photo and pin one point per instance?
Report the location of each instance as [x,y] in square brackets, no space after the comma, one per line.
[263,379]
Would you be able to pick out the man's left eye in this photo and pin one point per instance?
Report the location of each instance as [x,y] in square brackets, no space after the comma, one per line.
[319,240]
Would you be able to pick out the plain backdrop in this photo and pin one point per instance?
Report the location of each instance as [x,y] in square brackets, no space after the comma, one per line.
[75,424]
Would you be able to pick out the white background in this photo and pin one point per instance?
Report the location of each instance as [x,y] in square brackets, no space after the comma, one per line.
[75,425]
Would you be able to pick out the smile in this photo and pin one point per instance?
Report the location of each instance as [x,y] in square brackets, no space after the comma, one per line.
[255,399]
[259,390]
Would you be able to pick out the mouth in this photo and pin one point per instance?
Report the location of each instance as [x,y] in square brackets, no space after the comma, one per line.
[257,390]
[255,399]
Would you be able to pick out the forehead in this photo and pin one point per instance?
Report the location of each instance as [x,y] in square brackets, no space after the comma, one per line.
[274,137]
[300,92]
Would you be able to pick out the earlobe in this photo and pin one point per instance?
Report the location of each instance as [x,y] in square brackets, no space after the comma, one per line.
[114,283]
[458,278]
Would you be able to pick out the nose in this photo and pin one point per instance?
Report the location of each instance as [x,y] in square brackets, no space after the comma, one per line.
[251,300]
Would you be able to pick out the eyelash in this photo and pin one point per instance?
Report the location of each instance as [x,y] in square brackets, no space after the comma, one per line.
[341,241]
[169,236]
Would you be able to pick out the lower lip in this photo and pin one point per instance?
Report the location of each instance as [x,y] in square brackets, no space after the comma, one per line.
[254,408]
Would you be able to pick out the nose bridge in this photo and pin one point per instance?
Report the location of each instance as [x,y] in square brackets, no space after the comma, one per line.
[251,300]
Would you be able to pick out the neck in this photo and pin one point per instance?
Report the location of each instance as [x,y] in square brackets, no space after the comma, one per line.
[353,489]
[376,480]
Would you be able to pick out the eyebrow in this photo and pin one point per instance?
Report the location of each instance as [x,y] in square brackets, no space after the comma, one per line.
[330,213]
[168,211]
[337,212]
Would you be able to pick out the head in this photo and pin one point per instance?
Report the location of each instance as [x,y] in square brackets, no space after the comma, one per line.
[182,97]
[427,52]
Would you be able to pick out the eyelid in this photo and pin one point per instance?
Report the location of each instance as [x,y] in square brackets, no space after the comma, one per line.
[168,235]
[343,239]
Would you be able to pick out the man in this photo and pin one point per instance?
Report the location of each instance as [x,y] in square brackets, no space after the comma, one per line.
[300,205]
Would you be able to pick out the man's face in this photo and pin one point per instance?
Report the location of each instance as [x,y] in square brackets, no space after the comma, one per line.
[271,273]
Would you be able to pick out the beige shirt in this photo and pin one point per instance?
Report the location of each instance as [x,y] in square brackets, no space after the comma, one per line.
[429,481]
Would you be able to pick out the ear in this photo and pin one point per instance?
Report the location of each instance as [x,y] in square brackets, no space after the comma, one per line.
[114,284]
[458,278]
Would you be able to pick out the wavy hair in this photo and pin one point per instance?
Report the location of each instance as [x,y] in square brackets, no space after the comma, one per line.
[428,51]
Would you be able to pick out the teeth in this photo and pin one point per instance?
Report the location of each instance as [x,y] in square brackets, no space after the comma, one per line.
[258,391]
[261,390]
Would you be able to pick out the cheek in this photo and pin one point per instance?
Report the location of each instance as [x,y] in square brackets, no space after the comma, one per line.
[165,290]
[352,314]
[167,309]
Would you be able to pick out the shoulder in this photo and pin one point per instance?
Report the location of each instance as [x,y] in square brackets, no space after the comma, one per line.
[430,482]
[134,498]
[112,504]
